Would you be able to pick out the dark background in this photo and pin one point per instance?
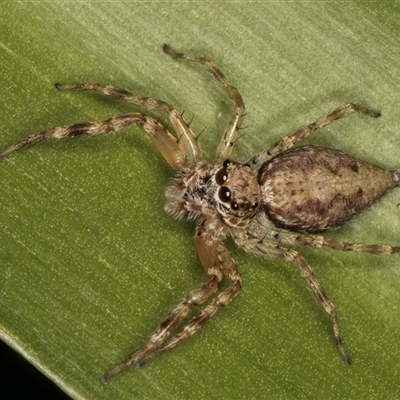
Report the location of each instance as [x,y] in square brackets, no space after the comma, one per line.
[21,380]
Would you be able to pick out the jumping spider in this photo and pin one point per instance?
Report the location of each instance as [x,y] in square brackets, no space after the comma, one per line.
[281,198]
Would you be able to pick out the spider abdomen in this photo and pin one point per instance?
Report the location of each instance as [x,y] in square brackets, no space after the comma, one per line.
[315,188]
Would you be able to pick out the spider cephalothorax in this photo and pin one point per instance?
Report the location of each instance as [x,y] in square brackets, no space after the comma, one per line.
[229,190]
[238,194]
[276,201]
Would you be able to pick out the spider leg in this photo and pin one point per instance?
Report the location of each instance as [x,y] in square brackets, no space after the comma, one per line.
[194,298]
[168,146]
[290,140]
[212,256]
[231,132]
[319,241]
[232,273]
[184,133]
[267,232]
[266,249]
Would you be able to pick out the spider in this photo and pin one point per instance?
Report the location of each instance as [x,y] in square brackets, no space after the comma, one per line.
[283,197]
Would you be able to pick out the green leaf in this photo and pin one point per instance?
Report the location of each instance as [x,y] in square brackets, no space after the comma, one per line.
[90,263]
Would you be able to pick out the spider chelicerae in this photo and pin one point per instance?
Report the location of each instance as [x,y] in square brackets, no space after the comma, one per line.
[280,199]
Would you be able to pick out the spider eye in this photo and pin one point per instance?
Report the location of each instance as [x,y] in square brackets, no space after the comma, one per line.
[224,194]
[226,163]
[221,176]
[234,205]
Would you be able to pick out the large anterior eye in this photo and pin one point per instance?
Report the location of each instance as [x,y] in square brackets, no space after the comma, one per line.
[224,194]
[221,176]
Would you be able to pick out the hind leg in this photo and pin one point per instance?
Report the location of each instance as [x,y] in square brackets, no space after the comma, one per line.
[290,140]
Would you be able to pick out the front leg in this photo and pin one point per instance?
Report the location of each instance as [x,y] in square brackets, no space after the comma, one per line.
[210,250]
[184,133]
[150,349]
[210,256]
[166,143]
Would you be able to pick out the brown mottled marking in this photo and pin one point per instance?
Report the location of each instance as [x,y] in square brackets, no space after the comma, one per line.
[314,188]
